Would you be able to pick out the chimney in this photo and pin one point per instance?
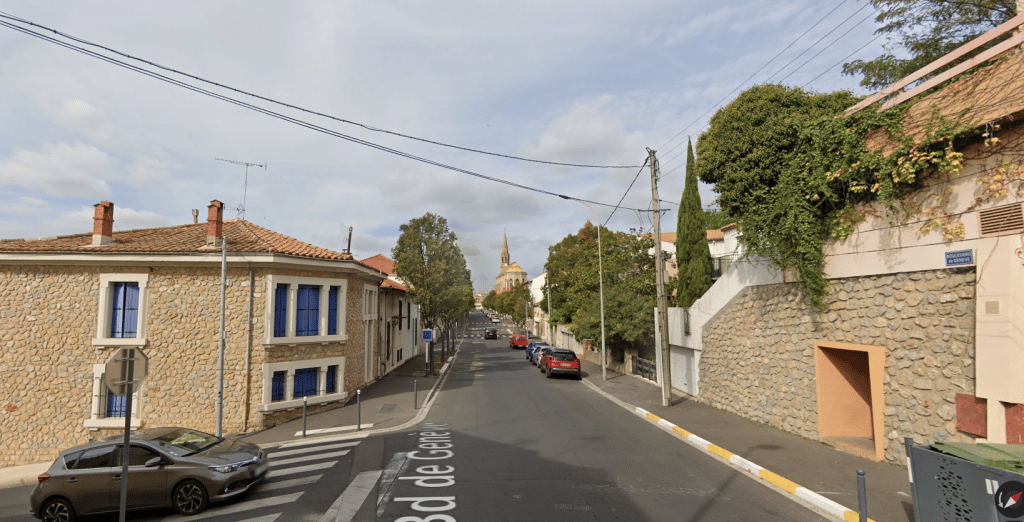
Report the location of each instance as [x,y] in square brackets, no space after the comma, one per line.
[103,224]
[215,223]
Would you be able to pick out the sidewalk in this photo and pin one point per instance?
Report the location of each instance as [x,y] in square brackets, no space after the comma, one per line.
[791,461]
[383,405]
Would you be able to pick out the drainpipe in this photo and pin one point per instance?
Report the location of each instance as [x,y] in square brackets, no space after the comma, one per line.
[248,355]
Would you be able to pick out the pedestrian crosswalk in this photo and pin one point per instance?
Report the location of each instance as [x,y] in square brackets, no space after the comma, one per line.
[293,467]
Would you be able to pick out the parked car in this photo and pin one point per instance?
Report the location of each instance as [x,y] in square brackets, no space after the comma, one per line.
[534,345]
[494,319]
[562,362]
[540,352]
[518,341]
[169,467]
[491,333]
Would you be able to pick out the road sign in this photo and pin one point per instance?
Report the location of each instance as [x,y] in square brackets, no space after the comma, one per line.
[428,335]
[960,258]
[127,365]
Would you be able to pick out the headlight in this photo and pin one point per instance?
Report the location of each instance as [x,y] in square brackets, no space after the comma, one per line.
[227,468]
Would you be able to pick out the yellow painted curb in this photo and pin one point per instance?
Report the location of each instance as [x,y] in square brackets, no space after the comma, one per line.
[779,481]
[679,431]
[653,417]
[721,452]
[853,516]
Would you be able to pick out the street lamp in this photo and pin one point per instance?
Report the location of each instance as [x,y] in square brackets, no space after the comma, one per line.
[600,275]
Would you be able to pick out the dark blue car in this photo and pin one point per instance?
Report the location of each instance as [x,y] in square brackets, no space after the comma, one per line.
[534,345]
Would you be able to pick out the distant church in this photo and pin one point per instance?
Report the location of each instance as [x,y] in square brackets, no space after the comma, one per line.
[510,274]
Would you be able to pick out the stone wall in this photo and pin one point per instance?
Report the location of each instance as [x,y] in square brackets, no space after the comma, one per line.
[48,319]
[758,357]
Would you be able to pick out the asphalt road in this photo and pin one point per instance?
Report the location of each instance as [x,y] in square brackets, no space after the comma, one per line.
[501,443]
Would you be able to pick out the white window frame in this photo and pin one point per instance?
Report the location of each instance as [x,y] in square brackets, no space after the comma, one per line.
[289,383]
[106,304]
[98,419]
[369,314]
[293,283]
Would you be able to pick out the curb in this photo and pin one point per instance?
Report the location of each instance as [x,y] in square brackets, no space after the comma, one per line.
[427,403]
[827,506]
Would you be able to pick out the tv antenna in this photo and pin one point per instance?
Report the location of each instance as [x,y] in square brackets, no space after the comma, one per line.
[245,190]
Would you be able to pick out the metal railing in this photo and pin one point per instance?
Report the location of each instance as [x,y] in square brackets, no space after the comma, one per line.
[644,368]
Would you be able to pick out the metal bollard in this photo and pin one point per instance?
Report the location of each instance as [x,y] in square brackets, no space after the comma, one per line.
[303,416]
[862,496]
[359,410]
[415,403]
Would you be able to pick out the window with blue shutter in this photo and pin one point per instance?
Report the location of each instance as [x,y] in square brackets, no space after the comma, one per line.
[332,379]
[281,311]
[307,317]
[305,382]
[277,386]
[408,314]
[115,404]
[332,311]
[399,315]
[124,321]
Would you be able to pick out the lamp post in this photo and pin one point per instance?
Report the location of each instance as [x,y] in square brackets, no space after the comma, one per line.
[600,275]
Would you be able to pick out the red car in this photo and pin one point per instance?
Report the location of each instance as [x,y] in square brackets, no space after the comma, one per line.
[561,361]
[518,341]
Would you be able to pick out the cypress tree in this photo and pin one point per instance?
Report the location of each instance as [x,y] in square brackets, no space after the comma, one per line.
[693,256]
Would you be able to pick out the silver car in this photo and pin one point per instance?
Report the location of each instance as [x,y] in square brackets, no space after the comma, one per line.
[168,467]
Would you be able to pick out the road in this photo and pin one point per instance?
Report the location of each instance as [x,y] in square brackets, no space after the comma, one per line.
[501,443]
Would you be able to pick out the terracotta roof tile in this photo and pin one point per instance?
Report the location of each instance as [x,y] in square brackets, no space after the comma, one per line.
[380,262]
[242,237]
[388,283]
[715,235]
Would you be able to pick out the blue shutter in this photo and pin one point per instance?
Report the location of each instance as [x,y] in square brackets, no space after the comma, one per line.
[281,311]
[307,320]
[408,314]
[277,386]
[305,382]
[399,315]
[124,316]
[332,379]
[117,313]
[332,311]
[115,404]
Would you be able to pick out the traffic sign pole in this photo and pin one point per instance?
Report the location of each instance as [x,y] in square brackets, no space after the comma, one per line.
[128,376]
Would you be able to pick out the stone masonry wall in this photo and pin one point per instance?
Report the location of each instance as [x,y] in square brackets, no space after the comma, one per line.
[48,318]
[758,357]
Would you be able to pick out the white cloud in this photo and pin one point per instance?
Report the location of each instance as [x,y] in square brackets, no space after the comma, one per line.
[61,169]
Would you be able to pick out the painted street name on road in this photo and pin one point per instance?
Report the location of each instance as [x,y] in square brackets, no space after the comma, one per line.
[434,445]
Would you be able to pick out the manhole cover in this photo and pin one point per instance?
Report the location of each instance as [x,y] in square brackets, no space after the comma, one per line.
[387,408]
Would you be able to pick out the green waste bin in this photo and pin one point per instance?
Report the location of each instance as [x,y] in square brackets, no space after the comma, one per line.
[1003,456]
[964,482]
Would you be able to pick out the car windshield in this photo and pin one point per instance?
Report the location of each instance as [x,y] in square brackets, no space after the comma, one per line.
[182,442]
[564,356]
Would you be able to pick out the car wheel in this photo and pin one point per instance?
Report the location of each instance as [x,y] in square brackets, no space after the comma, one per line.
[190,498]
[549,374]
[57,510]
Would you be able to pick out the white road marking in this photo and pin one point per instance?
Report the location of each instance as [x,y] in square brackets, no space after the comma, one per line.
[267,518]
[320,440]
[387,479]
[239,507]
[289,453]
[302,469]
[334,430]
[290,483]
[307,458]
[352,498]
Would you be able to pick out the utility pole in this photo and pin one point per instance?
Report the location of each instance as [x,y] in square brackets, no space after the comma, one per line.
[551,335]
[245,189]
[659,266]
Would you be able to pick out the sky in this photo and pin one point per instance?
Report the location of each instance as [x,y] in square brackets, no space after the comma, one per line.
[573,82]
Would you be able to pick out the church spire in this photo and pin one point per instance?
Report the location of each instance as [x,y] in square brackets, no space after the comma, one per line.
[504,250]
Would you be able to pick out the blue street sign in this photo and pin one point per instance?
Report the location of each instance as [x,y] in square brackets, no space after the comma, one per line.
[428,335]
[960,258]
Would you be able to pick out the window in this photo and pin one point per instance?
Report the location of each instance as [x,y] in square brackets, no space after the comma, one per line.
[125,313]
[399,315]
[307,319]
[305,309]
[332,379]
[122,310]
[115,404]
[285,384]
[109,409]
[281,311]
[408,314]
[137,456]
[305,382]
[277,386]
[101,457]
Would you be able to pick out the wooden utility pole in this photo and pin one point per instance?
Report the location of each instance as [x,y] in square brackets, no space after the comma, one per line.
[659,266]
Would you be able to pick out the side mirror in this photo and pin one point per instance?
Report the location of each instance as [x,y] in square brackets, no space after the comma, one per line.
[154,462]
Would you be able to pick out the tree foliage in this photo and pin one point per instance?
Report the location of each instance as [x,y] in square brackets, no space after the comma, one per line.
[515,302]
[793,174]
[926,30]
[428,257]
[629,285]
[715,219]
[693,256]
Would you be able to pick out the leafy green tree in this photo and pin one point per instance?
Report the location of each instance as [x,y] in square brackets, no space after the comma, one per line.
[927,30]
[491,301]
[515,302]
[428,257]
[629,286]
[716,219]
[693,256]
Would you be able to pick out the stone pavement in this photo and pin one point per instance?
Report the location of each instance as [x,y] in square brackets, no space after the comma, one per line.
[791,461]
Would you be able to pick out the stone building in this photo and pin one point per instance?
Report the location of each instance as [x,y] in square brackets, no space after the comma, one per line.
[922,332]
[300,323]
[509,274]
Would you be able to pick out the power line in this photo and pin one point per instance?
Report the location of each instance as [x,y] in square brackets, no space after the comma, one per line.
[627,192]
[826,35]
[283,117]
[823,49]
[271,100]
